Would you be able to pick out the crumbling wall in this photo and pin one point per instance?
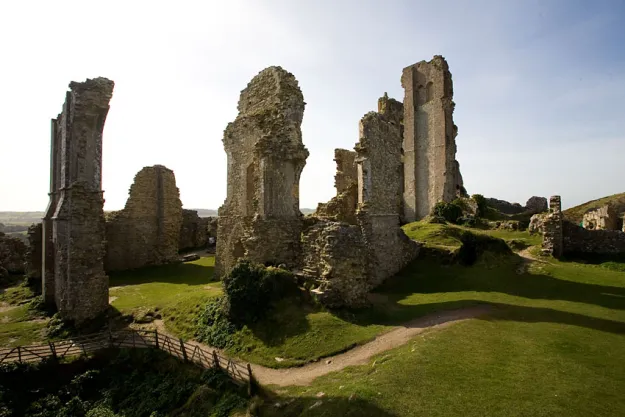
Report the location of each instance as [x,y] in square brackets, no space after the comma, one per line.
[431,172]
[35,251]
[342,207]
[12,254]
[578,240]
[603,218]
[260,219]
[193,230]
[335,254]
[73,226]
[380,192]
[147,231]
[553,243]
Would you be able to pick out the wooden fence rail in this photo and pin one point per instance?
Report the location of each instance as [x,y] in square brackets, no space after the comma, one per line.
[135,339]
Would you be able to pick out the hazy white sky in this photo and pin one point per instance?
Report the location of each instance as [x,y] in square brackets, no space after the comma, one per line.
[539,87]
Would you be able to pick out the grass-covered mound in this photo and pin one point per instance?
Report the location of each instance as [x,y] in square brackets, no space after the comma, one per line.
[128,383]
[575,214]
[449,237]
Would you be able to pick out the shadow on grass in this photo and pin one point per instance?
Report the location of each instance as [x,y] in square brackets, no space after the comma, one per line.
[426,277]
[178,273]
[285,319]
[284,406]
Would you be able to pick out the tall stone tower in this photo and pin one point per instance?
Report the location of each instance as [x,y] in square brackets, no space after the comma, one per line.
[431,172]
[73,226]
[260,219]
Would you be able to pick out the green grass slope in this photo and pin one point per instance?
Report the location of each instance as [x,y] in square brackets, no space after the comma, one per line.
[576,213]
[551,347]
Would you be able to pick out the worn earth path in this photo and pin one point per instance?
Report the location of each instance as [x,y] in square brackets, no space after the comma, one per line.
[304,375]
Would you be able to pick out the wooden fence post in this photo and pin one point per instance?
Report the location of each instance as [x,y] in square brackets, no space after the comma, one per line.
[53,350]
[156,338]
[184,351]
[110,339]
[251,384]
[19,354]
[215,359]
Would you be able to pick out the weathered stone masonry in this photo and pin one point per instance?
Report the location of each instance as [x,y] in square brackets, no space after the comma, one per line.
[380,192]
[194,231]
[73,227]
[147,231]
[431,172]
[562,237]
[260,219]
[342,207]
[350,260]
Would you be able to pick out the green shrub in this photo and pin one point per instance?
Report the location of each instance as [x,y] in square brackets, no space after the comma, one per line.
[251,288]
[213,325]
[449,211]
[482,206]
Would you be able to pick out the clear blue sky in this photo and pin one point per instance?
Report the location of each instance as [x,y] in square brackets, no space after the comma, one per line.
[539,87]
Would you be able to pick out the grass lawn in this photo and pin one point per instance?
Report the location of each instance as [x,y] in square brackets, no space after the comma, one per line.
[553,346]
[18,326]
[176,291]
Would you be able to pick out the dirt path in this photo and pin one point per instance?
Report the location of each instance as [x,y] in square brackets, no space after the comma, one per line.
[400,335]
[528,258]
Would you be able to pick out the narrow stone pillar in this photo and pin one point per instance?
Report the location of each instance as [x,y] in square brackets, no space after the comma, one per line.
[78,284]
[553,242]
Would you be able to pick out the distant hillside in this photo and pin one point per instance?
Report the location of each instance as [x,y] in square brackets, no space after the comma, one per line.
[307,210]
[205,212]
[25,218]
[575,214]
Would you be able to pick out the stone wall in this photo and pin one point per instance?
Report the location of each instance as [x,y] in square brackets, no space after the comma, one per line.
[12,254]
[35,251]
[342,207]
[603,218]
[260,219]
[562,237]
[335,254]
[193,231]
[147,231]
[73,226]
[578,240]
[431,172]
[380,178]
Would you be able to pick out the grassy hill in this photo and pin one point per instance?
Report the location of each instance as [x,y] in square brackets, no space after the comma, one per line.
[576,213]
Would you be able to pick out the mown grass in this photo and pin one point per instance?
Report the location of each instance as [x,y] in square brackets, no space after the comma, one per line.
[175,291]
[20,326]
[552,346]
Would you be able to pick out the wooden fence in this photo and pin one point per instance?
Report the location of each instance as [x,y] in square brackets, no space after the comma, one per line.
[137,339]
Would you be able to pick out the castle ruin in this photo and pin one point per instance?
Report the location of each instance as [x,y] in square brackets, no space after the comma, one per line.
[431,172]
[73,227]
[260,219]
[147,231]
[560,237]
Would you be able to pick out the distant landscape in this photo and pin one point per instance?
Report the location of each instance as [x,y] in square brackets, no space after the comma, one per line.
[18,221]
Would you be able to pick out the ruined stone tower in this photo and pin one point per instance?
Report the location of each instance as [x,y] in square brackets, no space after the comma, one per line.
[260,219]
[431,172]
[73,226]
[147,230]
